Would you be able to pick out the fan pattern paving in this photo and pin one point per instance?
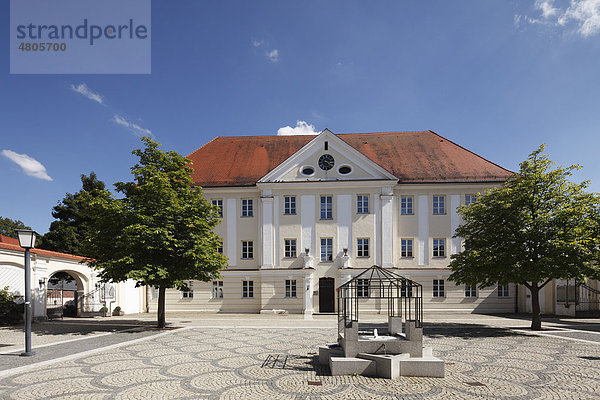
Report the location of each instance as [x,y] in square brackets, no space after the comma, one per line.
[208,363]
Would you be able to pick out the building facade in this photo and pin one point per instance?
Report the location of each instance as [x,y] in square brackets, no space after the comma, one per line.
[61,281]
[301,215]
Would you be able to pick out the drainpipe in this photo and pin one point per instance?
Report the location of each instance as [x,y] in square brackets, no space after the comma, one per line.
[147,298]
[516,298]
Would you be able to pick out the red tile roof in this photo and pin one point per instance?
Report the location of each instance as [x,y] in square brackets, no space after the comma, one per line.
[9,243]
[413,157]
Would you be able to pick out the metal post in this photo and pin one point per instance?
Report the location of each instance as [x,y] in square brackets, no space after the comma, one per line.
[28,351]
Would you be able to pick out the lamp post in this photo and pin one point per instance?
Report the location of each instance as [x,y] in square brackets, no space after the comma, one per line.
[27,241]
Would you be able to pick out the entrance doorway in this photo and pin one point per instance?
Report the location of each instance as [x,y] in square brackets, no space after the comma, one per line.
[62,297]
[326,295]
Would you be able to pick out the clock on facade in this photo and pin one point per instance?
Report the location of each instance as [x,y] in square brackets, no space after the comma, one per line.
[326,162]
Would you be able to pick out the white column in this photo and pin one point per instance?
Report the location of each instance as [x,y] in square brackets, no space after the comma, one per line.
[307,219]
[267,231]
[423,218]
[387,229]
[231,213]
[377,231]
[344,225]
[276,240]
[308,296]
[454,222]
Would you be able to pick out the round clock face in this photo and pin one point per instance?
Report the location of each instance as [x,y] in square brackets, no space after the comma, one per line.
[326,162]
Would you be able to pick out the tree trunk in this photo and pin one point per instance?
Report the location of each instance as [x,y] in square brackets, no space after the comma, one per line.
[161,306]
[536,315]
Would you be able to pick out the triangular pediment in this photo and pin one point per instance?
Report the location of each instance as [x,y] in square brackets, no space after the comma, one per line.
[330,159]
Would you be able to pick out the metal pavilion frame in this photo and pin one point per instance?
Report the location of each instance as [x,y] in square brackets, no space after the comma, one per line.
[404,296]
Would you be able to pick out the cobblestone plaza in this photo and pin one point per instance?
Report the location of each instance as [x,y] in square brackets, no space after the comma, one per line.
[229,363]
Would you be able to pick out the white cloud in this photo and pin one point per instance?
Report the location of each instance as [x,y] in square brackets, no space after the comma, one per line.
[29,165]
[581,16]
[132,126]
[87,92]
[273,55]
[585,13]
[546,7]
[301,128]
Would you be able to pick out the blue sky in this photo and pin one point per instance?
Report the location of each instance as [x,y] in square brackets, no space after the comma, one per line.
[498,77]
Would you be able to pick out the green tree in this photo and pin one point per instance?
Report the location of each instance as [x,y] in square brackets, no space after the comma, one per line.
[71,225]
[9,226]
[537,227]
[161,232]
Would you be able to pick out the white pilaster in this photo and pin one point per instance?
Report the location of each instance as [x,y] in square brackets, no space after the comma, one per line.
[387,229]
[307,219]
[423,218]
[231,213]
[454,222]
[267,231]
[344,225]
[308,296]
[377,232]
[276,240]
[38,301]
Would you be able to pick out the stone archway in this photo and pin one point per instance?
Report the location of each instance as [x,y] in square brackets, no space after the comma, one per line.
[64,290]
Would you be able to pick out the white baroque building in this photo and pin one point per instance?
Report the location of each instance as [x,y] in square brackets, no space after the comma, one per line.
[304,214]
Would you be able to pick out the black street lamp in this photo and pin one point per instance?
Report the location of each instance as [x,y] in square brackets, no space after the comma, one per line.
[27,241]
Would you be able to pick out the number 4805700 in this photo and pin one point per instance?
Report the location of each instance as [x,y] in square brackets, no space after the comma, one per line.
[42,46]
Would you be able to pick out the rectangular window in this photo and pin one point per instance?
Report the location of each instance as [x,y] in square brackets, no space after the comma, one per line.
[363,247]
[289,205]
[290,248]
[406,205]
[247,208]
[290,288]
[188,292]
[503,291]
[362,204]
[439,247]
[406,248]
[218,203]
[326,249]
[439,205]
[470,199]
[154,293]
[470,290]
[247,289]
[326,207]
[217,289]
[362,288]
[403,291]
[247,250]
[438,288]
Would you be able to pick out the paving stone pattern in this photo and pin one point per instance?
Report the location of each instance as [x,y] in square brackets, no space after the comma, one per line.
[208,363]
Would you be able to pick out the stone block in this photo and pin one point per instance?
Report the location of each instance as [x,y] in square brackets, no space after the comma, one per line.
[394,325]
[388,366]
[352,365]
[413,333]
[423,366]
[326,351]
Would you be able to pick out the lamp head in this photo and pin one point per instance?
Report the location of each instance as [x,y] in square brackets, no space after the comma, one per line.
[26,238]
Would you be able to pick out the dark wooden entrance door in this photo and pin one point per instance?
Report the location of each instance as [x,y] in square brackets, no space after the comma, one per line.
[326,295]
